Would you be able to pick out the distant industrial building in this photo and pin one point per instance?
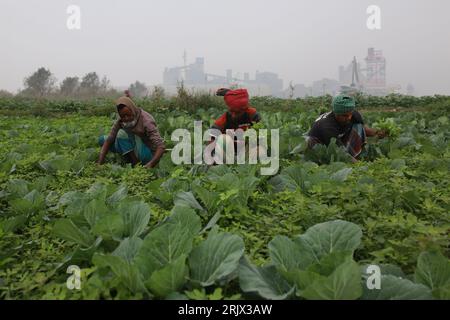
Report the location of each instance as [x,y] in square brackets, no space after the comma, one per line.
[193,76]
[317,89]
[369,79]
[299,91]
[325,86]
[375,72]
[346,73]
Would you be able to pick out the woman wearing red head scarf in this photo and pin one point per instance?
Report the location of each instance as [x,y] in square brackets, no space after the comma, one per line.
[239,115]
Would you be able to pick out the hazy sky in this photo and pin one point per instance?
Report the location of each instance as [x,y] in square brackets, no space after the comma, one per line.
[300,40]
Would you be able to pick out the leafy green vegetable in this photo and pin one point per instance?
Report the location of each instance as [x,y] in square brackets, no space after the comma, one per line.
[265,281]
[222,252]
[166,243]
[136,216]
[66,229]
[169,279]
[395,288]
[433,270]
[343,284]
[119,224]
[328,237]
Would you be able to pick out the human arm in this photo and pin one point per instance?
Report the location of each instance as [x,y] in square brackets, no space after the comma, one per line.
[255,117]
[314,136]
[156,157]
[104,151]
[108,142]
[219,125]
[154,141]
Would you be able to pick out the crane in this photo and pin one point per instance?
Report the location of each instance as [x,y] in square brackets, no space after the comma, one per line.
[356,85]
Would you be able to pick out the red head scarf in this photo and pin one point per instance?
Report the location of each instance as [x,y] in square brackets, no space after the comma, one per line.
[237,100]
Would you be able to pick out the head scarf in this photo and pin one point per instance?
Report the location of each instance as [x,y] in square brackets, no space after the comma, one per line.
[343,104]
[237,100]
[126,101]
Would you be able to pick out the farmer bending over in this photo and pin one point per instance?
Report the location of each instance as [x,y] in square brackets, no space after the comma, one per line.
[239,115]
[345,124]
[134,136]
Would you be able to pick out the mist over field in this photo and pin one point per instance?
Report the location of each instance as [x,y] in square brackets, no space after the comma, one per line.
[301,41]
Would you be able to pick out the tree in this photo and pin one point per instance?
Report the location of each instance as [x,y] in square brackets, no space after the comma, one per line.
[69,86]
[105,84]
[40,82]
[90,84]
[158,93]
[138,89]
[6,94]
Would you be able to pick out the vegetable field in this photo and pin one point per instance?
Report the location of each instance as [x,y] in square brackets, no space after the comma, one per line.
[225,232]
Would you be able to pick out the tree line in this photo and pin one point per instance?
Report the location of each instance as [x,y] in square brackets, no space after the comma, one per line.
[42,83]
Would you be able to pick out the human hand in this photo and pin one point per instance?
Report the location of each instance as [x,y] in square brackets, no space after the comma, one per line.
[381,134]
[148,165]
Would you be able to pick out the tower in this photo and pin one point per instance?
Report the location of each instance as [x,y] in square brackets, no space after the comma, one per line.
[376,69]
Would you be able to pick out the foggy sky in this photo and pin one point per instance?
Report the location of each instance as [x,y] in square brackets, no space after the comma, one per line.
[302,41]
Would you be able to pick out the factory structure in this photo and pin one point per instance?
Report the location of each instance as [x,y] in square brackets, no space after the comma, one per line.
[193,76]
[369,78]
